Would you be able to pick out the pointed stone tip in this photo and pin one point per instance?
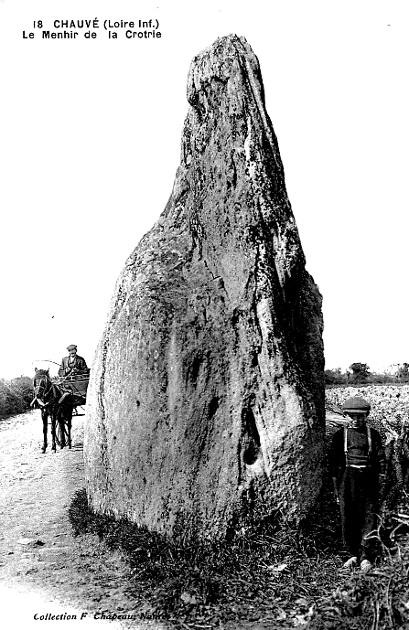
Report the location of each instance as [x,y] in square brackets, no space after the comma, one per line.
[228,56]
[232,39]
[231,45]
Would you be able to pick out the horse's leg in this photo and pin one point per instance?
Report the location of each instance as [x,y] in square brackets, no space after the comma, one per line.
[53,421]
[69,419]
[44,417]
[61,423]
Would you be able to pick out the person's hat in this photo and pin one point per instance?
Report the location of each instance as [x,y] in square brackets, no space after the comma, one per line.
[356,405]
[72,346]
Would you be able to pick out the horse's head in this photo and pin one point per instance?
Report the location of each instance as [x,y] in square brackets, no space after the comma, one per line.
[42,386]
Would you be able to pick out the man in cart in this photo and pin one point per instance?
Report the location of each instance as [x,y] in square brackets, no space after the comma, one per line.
[73,364]
[357,463]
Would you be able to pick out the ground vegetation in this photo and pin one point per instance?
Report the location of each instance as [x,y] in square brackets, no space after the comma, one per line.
[278,574]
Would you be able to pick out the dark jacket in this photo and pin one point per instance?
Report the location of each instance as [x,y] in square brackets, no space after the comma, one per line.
[69,369]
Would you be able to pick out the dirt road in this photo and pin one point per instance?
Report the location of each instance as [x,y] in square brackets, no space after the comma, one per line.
[44,570]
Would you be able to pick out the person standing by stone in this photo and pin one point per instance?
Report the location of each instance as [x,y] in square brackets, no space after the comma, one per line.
[357,464]
[73,364]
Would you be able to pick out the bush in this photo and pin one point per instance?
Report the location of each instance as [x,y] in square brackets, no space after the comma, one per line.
[15,396]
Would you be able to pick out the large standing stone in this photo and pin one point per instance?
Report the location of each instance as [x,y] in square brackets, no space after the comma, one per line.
[206,402]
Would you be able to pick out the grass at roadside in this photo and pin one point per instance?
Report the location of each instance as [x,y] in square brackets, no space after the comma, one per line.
[273,575]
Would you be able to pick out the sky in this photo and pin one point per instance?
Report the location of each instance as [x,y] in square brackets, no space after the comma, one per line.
[89,146]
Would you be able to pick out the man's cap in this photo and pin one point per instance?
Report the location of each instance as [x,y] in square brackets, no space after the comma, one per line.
[71,346]
[356,405]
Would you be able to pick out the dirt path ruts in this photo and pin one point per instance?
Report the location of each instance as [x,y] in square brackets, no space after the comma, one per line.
[43,568]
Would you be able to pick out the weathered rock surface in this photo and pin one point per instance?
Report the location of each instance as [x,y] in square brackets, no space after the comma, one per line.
[206,401]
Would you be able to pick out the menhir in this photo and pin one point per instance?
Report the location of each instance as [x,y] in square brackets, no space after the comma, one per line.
[206,402]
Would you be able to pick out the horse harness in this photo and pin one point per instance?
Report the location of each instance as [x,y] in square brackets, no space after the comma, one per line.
[42,387]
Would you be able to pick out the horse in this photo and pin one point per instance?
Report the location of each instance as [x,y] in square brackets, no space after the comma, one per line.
[56,405]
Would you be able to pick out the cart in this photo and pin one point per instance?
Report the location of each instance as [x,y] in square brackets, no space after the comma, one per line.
[76,386]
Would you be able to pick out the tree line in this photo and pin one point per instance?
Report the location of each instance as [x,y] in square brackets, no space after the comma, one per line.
[360,373]
[17,393]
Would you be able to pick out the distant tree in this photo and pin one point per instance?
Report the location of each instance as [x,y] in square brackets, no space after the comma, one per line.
[403,373]
[335,377]
[360,373]
[382,378]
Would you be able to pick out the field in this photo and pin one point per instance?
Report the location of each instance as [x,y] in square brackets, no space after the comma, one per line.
[389,405]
